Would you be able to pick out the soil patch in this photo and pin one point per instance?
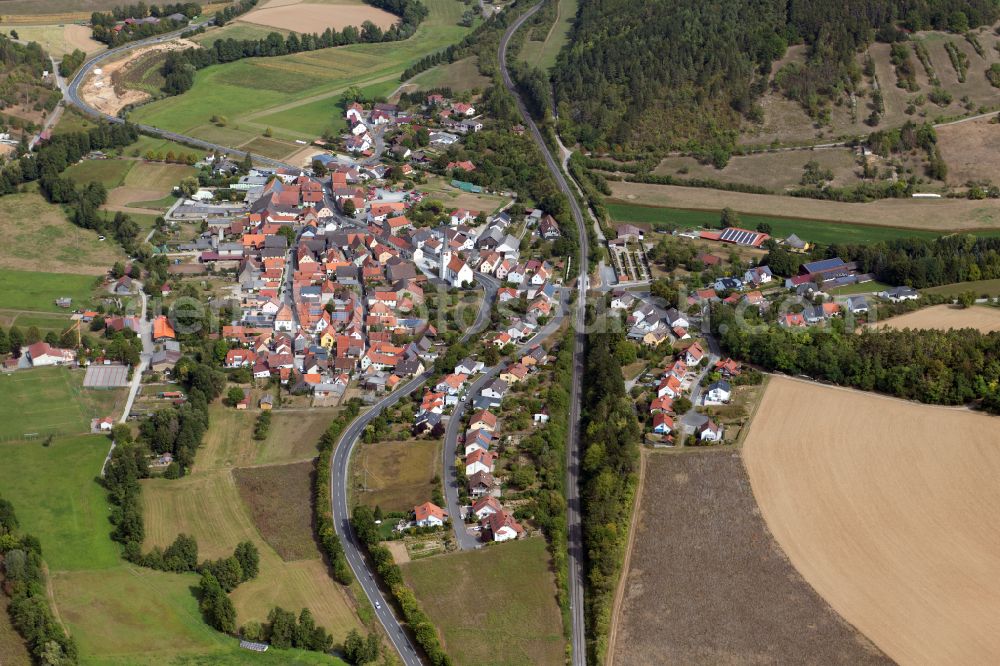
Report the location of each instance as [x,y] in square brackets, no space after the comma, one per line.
[708,584]
[887,508]
[99,90]
[279,498]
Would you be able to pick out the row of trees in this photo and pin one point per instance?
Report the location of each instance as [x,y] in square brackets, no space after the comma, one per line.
[610,441]
[363,521]
[954,367]
[103,23]
[24,582]
[321,494]
[61,151]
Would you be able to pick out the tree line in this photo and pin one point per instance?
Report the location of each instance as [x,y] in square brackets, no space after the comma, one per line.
[610,442]
[179,67]
[24,583]
[954,367]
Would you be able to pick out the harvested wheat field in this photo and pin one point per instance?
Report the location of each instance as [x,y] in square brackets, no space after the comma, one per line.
[888,509]
[707,584]
[946,317]
[310,17]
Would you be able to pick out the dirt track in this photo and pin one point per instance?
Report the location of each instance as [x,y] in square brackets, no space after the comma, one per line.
[888,509]
[945,317]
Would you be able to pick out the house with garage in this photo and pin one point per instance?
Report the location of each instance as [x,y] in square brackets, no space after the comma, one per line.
[496,389]
[486,506]
[478,439]
[483,484]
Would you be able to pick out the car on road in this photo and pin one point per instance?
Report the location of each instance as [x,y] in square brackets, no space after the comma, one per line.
[378,606]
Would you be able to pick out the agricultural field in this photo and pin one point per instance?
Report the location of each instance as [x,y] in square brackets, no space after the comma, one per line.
[816,231]
[775,171]
[296,16]
[970,150]
[147,187]
[237,31]
[296,94]
[37,292]
[207,505]
[982,288]
[460,76]
[886,520]
[58,40]
[542,53]
[506,591]
[52,400]
[269,492]
[942,215]
[57,500]
[50,240]
[395,476]
[109,173]
[707,584]
[786,122]
[944,317]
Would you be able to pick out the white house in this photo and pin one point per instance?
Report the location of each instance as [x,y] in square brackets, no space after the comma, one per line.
[709,431]
[718,393]
[897,294]
[486,506]
[480,461]
[469,366]
[501,527]
[42,354]
[495,389]
[758,275]
[429,515]
[663,424]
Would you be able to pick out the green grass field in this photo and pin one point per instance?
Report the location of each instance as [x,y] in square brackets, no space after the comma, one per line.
[254,93]
[861,288]
[24,290]
[37,235]
[990,288]
[543,53]
[57,499]
[44,322]
[496,605]
[110,173]
[459,76]
[43,400]
[815,231]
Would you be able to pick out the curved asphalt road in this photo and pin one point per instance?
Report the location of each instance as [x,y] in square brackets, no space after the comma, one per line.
[338,489]
[573,450]
[73,97]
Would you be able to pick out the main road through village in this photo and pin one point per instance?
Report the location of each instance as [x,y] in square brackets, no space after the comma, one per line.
[341,458]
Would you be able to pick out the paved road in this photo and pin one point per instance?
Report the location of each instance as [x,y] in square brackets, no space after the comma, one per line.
[338,490]
[575,535]
[449,451]
[72,96]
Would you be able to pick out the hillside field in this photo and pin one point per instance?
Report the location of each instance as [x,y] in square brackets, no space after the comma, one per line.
[504,592]
[887,509]
[707,584]
[38,235]
[296,95]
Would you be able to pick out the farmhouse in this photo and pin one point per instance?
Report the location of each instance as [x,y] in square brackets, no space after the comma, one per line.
[42,353]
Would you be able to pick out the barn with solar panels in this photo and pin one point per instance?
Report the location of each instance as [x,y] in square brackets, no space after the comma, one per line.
[742,237]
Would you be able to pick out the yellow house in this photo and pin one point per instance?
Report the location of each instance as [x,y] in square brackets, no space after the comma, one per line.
[328,339]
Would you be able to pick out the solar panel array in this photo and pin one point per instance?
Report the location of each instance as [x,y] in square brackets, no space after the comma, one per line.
[739,236]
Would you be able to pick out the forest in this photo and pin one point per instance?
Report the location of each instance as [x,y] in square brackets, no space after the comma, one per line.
[649,75]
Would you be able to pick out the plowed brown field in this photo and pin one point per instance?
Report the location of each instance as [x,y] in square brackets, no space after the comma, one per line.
[888,509]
